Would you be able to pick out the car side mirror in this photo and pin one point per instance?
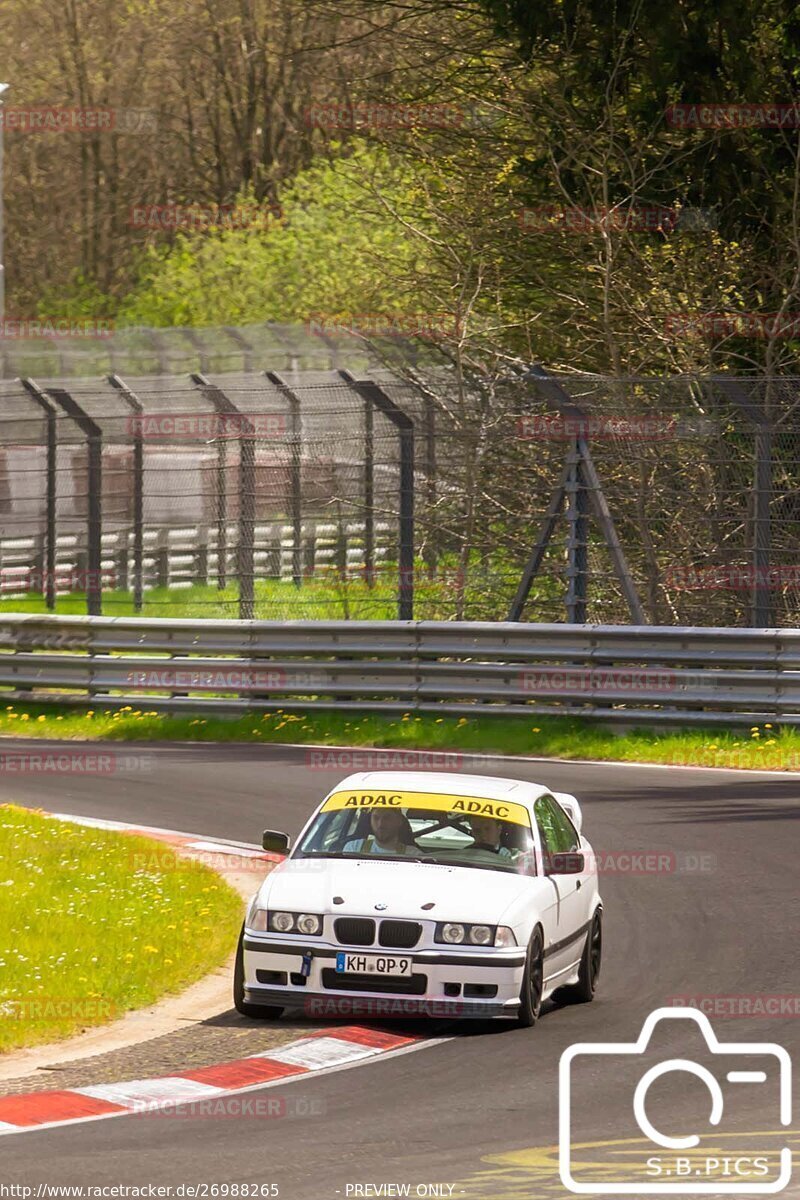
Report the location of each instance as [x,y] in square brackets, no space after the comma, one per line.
[274,842]
[572,863]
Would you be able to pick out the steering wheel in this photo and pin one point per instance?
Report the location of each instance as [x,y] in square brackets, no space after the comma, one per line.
[484,846]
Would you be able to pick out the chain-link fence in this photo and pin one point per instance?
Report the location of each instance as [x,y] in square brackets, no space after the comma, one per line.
[201,495]
[77,348]
[658,501]
[298,493]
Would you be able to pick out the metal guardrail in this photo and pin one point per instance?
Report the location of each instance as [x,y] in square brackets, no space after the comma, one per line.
[639,674]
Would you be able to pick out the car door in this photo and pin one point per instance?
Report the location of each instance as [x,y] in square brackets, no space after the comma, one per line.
[559,838]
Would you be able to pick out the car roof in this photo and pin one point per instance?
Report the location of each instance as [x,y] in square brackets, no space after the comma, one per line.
[448,783]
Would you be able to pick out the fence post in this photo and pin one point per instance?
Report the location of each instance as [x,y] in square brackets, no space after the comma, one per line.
[137,409]
[245,551]
[162,559]
[201,568]
[94,525]
[295,472]
[244,346]
[369,492]
[761,599]
[49,564]
[369,390]
[431,547]
[577,517]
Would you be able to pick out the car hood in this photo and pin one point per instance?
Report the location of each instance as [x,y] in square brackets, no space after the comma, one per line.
[411,890]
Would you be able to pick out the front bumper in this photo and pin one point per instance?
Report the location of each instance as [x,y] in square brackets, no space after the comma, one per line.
[455,983]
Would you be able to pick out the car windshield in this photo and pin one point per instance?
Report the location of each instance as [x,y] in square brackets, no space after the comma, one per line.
[466,831]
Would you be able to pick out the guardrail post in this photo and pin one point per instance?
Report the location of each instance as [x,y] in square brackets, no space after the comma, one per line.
[49,563]
[245,552]
[137,409]
[295,472]
[94,530]
[369,390]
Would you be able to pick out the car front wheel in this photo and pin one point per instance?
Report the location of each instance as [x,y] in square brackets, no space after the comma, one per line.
[530,999]
[263,1012]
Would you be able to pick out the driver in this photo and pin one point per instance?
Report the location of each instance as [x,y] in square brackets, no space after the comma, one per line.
[487,832]
[387,827]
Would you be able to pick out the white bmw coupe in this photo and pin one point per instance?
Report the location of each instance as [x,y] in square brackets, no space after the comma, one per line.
[414,894]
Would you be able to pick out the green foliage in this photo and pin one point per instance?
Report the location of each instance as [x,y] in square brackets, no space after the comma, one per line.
[82,297]
[334,250]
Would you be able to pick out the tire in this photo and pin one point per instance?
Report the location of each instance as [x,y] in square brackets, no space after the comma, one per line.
[530,997]
[262,1012]
[583,991]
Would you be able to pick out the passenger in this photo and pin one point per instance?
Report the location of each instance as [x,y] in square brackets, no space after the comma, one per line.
[487,832]
[388,826]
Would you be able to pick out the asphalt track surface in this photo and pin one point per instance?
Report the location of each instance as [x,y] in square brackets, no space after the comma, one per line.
[723,919]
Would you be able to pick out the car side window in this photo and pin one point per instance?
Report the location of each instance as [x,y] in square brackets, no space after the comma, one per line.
[568,835]
[547,829]
[555,829]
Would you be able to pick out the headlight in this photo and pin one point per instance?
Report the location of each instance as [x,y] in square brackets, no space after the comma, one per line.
[286,922]
[504,936]
[281,922]
[257,920]
[453,933]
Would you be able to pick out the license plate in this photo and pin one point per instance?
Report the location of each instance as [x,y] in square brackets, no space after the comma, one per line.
[372,964]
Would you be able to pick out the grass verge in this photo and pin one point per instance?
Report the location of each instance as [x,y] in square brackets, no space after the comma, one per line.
[761,747]
[89,933]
